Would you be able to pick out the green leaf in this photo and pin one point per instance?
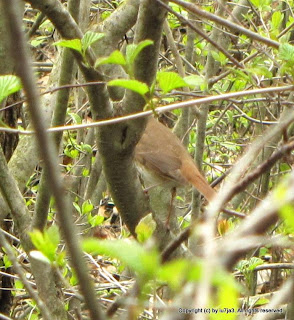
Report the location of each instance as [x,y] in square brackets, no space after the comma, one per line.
[133,50]
[87,207]
[116,57]
[262,5]
[290,21]
[287,213]
[9,84]
[105,14]
[277,19]
[95,220]
[256,3]
[46,27]
[73,279]
[145,228]
[70,152]
[53,235]
[7,262]
[38,40]
[219,56]
[194,81]
[230,116]
[284,167]
[134,85]
[77,207]
[61,259]
[170,80]
[75,117]
[75,44]
[86,172]
[263,251]
[89,38]
[86,148]
[46,242]
[261,302]
[175,273]
[286,52]
[130,253]
[195,272]
[242,265]
[260,71]
[18,284]
[227,296]
[254,262]
[74,153]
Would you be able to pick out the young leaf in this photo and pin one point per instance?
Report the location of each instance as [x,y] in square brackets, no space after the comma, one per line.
[75,117]
[38,40]
[53,235]
[95,220]
[86,172]
[73,279]
[227,295]
[287,210]
[133,50]
[134,85]
[175,272]
[286,52]
[89,38]
[194,81]
[6,261]
[287,213]
[46,242]
[261,302]
[87,207]
[74,153]
[170,80]
[256,3]
[277,19]
[254,262]
[219,56]
[9,84]
[77,207]
[116,57]
[260,70]
[262,5]
[74,44]
[86,148]
[145,263]
[145,228]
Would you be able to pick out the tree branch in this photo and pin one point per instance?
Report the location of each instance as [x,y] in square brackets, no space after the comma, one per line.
[48,154]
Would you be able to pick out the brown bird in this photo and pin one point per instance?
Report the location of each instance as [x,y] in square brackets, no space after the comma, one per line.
[163,159]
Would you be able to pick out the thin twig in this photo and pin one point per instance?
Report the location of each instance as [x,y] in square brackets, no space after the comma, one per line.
[202,34]
[49,155]
[225,22]
[160,110]
[18,269]
[263,167]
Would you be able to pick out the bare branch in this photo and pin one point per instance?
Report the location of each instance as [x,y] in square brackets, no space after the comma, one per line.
[48,153]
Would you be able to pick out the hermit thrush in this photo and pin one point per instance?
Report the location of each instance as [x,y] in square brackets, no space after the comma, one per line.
[163,159]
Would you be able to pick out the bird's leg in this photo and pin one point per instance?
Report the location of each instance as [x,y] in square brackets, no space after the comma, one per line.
[171,206]
[146,190]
